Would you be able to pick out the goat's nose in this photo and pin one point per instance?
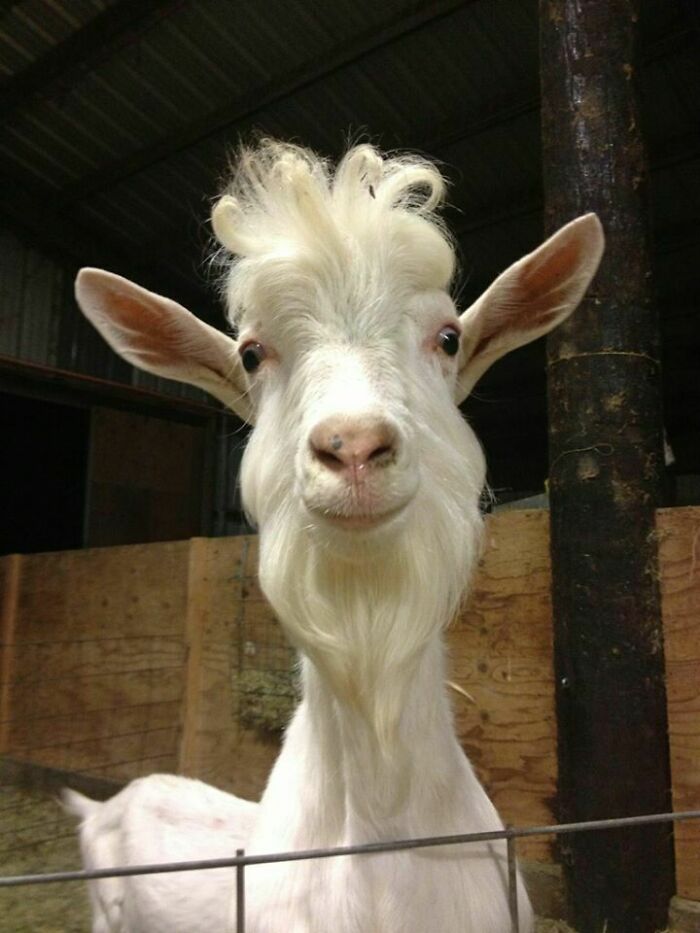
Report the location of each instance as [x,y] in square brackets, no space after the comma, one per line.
[345,444]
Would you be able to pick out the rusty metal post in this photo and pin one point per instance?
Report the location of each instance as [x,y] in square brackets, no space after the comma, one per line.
[512,883]
[240,893]
[606,473]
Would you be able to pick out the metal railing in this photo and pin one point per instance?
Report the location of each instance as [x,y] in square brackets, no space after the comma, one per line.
[241,861]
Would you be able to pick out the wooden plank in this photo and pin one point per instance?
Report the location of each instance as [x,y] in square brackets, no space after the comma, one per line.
[219,753]
[128,770]
[223,564]
[53,661]
[131,496]
[228,755]
[10,571]
[114,756]
[134,590]
[100,657]
[679,557]
[101,692]
[83,725]
[106,698]
[501,652]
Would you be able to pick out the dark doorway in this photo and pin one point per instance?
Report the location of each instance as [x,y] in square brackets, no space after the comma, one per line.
[43,468]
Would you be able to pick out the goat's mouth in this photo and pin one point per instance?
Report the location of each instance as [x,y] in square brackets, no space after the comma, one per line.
[358,521]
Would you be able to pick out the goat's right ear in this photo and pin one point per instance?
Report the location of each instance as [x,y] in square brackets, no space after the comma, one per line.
[161,337]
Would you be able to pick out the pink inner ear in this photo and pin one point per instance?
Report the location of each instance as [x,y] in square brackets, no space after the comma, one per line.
[143,325]
[160,335]
[544,276]
[533,300]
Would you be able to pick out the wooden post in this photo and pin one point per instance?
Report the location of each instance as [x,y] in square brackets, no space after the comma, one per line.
[9,597]
[606,471]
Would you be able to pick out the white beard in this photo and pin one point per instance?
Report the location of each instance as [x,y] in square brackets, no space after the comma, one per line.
[364,614]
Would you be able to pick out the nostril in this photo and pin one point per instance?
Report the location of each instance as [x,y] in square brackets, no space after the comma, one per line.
[342,444]
[328,459]
[383,452]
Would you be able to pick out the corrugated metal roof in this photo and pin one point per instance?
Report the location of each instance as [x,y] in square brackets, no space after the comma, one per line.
[32,28]
[119,151]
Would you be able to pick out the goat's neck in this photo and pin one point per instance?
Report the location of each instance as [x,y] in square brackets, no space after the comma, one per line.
[372,744]
[346,788]
[400,773]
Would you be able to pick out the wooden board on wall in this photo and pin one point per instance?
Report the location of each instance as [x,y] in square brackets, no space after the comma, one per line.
[501,651]
[98,659]
[679,554]
[10,572]
[102,658]
[223,751]
[145,479]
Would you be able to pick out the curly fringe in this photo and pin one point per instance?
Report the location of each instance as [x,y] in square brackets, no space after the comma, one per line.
[282,196]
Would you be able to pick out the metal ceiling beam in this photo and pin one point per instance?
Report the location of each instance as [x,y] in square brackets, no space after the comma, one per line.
[49,214]
[116,26]
[528,202]
[24,213]
[447,136]
[348,53]
[249,104]
[443,139]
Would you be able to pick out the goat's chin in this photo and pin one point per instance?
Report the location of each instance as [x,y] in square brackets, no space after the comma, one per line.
[356,535]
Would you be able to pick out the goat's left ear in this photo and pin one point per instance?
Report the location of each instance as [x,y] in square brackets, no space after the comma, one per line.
[529,299]
[160,336]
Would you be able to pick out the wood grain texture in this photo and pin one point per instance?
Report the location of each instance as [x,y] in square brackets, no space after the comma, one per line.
[135,590]
[57,728]
[196,614]
[228,755]
[100,652]
[501,652]
[145,480]
[679,557]
[127,754]
[10,571]
[99,655]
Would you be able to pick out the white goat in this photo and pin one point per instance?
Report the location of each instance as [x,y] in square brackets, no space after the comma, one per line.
[364,481]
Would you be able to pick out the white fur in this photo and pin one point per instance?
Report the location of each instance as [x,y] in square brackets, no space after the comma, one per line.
[342,277]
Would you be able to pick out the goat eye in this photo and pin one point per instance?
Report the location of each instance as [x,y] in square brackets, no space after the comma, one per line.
[448,340]
[252,355]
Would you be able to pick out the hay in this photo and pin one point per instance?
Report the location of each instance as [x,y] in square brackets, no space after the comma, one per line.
[37,836]
[265,700]
[558,926]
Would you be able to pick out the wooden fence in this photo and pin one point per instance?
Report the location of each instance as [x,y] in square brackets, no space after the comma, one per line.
[118,662]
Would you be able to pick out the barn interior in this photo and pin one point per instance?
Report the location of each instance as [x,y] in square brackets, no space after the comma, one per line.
[119,120]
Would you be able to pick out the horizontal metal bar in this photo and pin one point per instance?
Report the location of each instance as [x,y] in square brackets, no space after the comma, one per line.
[398,845]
